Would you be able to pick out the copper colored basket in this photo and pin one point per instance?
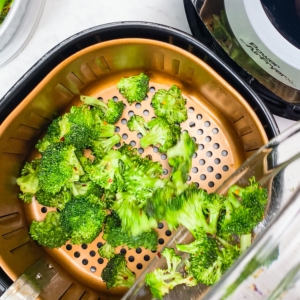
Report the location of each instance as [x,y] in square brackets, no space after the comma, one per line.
[224,125]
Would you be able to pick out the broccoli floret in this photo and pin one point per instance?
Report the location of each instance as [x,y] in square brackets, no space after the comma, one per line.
[244,209]
[205,207]
[102,146]
[86,189]
[161,134]
[57,200]
[111,111]
[134,88]
[133,218]
[107,251]
[49,232]
[83,219]
[102,128]
[116,273]
[29,181]
[59,167]
[108,172]
[162,281]
[137,123]
[170,104]
[115,236]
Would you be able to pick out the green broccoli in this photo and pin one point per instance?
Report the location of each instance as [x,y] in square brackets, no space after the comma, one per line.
[170,104]
[86,189]
[162,281]
[29,181]
[133,218]
[111,111]
[49,232]
[108,171]
[83,219]
[102,128]
[102,146]
[115,236]
[57,200]
[161,134]
[208,261]
[137,123]
[59,167]
[116,273]
[134,88]
[107,251]
[244,209]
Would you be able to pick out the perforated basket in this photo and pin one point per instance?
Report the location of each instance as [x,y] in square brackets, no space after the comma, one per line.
[224,125]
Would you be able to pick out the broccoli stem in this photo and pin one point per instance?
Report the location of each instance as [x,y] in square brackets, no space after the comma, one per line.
[245,241]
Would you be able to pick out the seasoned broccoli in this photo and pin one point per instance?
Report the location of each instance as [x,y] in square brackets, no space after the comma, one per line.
[57,200]
[137,123]
[244,209]
[162,281]
[195,209]
[111,111]
[102,146]
[59,167]
[107,251]
[115,236]
[86,189]
[108,171]
[208,261]
[134,88]
[49,232]
[161,134]
[116,273]
[83,219]
[170,104]
[102,128]
[133,218]
[29,181]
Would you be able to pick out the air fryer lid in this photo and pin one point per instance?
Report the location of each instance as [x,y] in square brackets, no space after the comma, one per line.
[84,71]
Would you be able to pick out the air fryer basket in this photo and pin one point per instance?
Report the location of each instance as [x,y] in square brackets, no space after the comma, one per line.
[223,123]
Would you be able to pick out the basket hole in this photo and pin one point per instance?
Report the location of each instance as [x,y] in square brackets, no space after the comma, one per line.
[139,135]
[93,269]
[152,89]
[217,161]
[131,258]
[69,247]
[99,244]
[206,123]
[209,154]
[211,184]
[138,105]
[118,145]
[202,176]
[215,131]
[123,251]
[131,113]
[44,209]
[85,261]
[146,257]
[100,261]
[225,168]
[224,153]
[207,138]
[216,146]
[160,226]
[92,253]
[77,254]
[155,149]
[210,169]
[192,124]
[218,176]
[199,131]
[146,112]
[115,98]
[139,266]
[163,156]
[165,171]
[124,136]
[124,121]
[141,150]
[195,170]
[168,232]
[200,147]
[161,241]
[199,117]
[132,143]
[201,162]
[100,98]
[117,129]
[138,250]
[191,110]
[189,178]
[84,246]
[195,155]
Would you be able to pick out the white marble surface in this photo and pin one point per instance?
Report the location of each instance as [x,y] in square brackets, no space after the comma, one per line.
[61,19]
